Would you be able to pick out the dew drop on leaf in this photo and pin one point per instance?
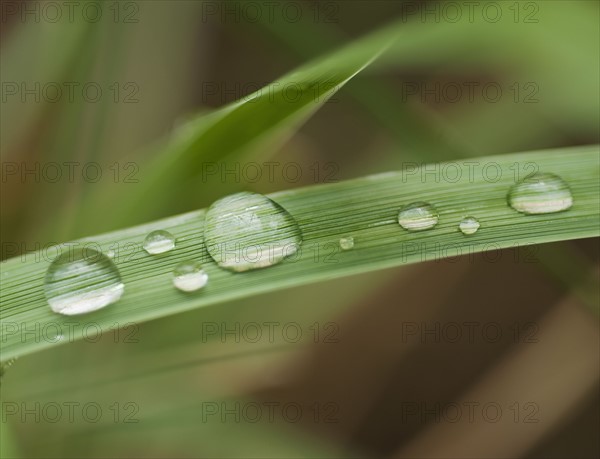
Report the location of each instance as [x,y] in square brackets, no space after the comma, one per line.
[540,193]
[248,231]
[418,216]
[81,280]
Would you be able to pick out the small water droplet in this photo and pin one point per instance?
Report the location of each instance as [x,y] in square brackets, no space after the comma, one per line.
[158,241]
[418,216]
[82,280]
[347,243]
[110,254]
[188,276]
[469,225]
[540,193]
[248,231]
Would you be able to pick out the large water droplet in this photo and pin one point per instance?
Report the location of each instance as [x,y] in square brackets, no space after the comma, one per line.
[80,281]
[540,193]
[248,231]
[347,243]
[189,276]
[159,241]
[418,216]
[469,225]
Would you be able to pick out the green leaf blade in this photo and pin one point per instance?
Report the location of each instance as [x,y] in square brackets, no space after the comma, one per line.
[364,208]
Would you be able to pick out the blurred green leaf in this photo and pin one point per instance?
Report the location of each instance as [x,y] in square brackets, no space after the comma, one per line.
[267,116]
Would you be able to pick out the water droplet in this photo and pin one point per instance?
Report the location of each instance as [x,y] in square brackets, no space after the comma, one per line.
[110,254]
[158,241]
[540,193]
[347,243]
[418,216]
[189,276]
[247,231]
[469,225]
[80,281]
